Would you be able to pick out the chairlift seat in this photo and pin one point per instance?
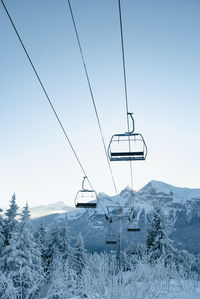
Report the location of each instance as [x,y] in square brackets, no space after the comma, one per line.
[128,154]
[135,229]
[110,242]
[86,205]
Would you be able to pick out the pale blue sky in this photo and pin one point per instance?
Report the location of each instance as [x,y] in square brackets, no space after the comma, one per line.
[162,47]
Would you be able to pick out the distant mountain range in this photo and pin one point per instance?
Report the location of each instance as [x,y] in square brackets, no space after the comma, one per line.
[181,204]
[43,210]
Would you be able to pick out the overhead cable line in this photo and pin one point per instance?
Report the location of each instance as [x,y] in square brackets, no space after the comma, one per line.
[91,93]
[49,101]
[125,84]
[45,92]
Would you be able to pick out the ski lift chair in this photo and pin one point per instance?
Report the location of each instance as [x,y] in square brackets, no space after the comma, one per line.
[133,227]
[110,238]
[129,146]
[86,198]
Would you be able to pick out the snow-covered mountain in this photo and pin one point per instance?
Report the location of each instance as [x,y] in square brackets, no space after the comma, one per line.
[44,210]
[55,208]
[182,205]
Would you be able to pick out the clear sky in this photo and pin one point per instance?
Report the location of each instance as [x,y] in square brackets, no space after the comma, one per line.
[162,47]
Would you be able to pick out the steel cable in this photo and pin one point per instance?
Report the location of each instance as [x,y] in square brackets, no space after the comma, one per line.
[125,84]
[91,93]
[48,98]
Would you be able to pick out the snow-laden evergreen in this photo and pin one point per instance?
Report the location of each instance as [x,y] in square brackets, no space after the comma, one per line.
[41,239]
[10,257]
[29,251]
[10,220]
[64,241]
[155,271]
[2,237]
[53,252]
[158,242]
[79,256]
[63,282]
[28,270]
[9,261]
[58,245]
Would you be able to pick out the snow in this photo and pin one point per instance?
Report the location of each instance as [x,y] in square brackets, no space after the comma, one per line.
[174,198]
[162,295]
[176,295]
[75,274]
[142,199]
[179,194]
[58,207]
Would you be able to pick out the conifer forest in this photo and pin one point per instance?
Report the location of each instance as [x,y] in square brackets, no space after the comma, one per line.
[43,263]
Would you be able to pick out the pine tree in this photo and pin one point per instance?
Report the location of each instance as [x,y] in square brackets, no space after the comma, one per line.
[64,241]
[41,238]
[10,261]
[11,221]
[9,254]
[79,256]
[158,243]
[26,242]
[53,251]
[29,255]
[2,238]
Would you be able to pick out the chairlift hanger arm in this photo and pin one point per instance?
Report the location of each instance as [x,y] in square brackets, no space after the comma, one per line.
[84,178]
[133,123]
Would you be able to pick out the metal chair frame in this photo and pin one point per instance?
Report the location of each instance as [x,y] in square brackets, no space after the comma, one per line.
[128,137]
[84,194]
[123,212]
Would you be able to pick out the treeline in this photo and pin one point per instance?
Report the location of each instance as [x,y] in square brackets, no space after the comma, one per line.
[29,260]
[43,264]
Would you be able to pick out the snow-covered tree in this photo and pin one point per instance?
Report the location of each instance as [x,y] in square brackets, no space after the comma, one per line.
[9,254]
[30,253]
[41,238]
[79,256]
[63,280]
[58,246]
[53,251]
[64,241]
[158,242]
[2,238]
[20,260]
[29,256]
[10,259]
[99,274]
[10,220]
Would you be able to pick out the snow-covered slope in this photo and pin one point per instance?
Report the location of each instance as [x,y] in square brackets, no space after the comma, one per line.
[177,194]
[43,210]
[182,205]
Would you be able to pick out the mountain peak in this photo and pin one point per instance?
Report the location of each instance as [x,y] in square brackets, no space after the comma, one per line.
[157,186]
